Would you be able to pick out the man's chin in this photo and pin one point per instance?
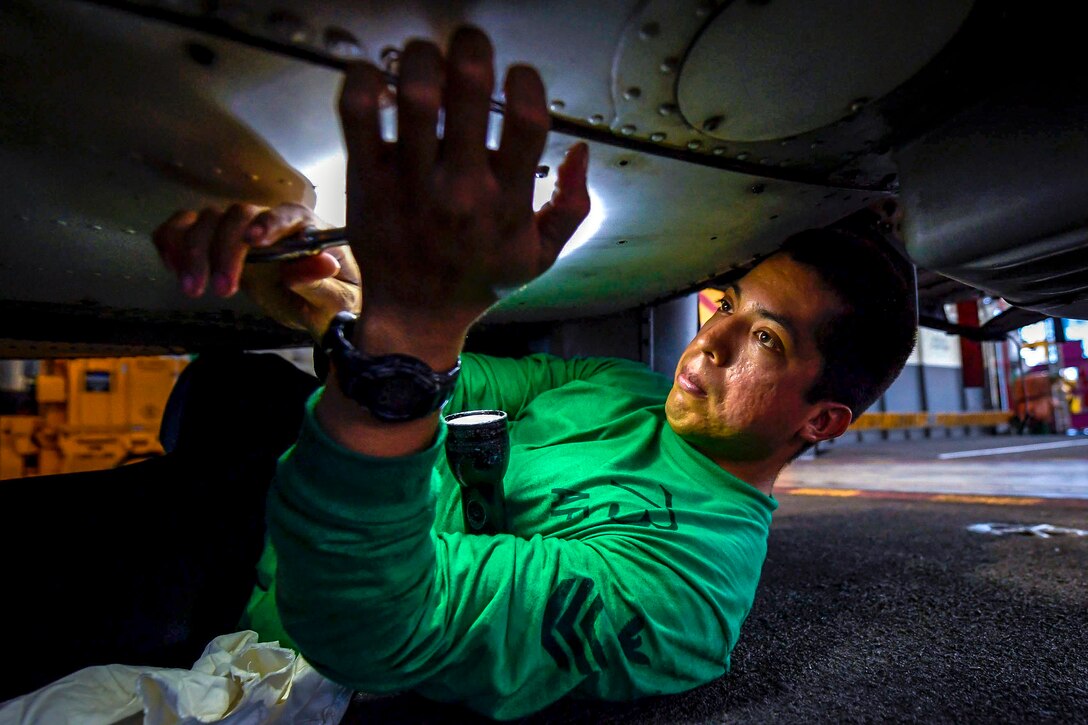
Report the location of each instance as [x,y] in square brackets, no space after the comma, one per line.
[723,445]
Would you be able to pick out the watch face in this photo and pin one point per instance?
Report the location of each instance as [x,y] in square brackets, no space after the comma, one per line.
[392,387]
[401,393]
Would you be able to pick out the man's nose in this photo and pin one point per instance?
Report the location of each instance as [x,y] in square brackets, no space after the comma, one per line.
[717,340]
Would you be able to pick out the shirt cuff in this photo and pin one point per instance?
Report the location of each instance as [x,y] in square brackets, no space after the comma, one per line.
[335,483]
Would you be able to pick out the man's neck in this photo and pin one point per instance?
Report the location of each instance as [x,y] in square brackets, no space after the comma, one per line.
[760,475]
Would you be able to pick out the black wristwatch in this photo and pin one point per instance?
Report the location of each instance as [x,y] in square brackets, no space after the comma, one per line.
[393,388]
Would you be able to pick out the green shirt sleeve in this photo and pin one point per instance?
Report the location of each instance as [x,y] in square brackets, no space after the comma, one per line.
[378,601]
[509,384]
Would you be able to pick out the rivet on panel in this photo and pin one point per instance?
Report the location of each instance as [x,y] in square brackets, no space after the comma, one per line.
[96,227]
[719,151]
[669,65]
[757,188]
[766,161]
[341,43]
[254,177]
[695,145]
[596,119]
[649,30]
[711,124]
[858,104]
[657,136]
[62,222]
[288,26]
[742,156]
[234,13]
[200,54]
[390,59]
[627,130]
[542,171]
[556,105]
[129,230]
[632,93]
[621,241]
[667,109]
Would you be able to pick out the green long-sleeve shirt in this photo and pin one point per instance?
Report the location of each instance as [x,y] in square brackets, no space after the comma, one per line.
[631,563]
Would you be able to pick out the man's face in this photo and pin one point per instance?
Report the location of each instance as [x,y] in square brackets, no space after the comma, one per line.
[740,386]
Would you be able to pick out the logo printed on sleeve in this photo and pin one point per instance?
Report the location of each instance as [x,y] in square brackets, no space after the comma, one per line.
[570,618]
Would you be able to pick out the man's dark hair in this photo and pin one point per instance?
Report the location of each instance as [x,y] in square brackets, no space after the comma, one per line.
[865,346]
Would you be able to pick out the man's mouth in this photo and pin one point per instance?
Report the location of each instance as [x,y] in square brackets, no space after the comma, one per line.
[690,383]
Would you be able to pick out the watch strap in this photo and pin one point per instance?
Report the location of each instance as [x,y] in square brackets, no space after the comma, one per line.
[394,387]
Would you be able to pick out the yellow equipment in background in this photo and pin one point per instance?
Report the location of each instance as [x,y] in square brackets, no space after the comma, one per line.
[92,414]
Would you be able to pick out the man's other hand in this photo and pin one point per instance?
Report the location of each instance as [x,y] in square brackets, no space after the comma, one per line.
[439,224]
[207,250]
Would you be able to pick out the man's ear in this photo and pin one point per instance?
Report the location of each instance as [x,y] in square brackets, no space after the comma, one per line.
[829,420]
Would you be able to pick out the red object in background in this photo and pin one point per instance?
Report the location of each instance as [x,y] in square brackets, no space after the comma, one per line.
[1071,355]
[974,374]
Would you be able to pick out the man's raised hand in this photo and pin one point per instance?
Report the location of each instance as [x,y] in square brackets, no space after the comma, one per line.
[439,223]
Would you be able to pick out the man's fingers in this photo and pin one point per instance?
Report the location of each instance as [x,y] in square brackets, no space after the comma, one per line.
[169,238]
[282,221]
[524,132]
[470,79]
[360,97]
[419,97]
[194,258]
[228,248]
[569,206]
[309,270]
[314,280]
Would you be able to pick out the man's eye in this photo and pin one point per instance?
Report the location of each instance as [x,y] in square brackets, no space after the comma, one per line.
[725,305]
[767,340]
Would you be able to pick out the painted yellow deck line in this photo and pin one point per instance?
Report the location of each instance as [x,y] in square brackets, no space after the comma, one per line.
[840,492]
[920,496]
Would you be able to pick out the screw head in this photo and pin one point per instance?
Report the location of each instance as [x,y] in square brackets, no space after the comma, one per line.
[556,105]
[342,44]
[858,104]
[649,30]
[627,130]
[632,93]
[667,109]
[711,124]
[657,136]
